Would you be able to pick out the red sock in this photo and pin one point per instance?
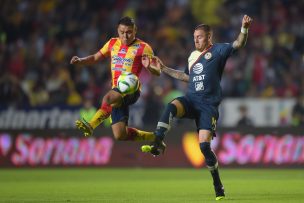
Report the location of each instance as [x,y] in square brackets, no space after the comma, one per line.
[131,134]
[106,108]
[138,135]
[102,114]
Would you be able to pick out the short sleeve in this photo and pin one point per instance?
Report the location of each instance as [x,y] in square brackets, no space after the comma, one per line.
[186,70]
[226,50]
[105,49]
[148,50]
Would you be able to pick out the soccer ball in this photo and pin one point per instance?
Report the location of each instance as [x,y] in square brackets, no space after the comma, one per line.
[127,83]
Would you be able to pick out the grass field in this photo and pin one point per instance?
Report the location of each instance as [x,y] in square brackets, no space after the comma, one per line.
[149,185]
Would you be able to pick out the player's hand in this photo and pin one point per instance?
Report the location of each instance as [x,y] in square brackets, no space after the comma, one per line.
[75,60]
[152,63]
[145,60]
[246,22]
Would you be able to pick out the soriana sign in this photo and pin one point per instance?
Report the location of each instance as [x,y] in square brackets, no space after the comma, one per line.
[69,149]
[233,148]
[29,150]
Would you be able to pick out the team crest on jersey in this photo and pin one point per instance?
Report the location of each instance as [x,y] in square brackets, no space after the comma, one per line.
[122,51]
[198,68]
[208,55]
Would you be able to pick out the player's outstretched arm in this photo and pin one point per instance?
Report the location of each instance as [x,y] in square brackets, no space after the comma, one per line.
[180,75]
[149,63]
[153,63]
[88,60]
[242,38]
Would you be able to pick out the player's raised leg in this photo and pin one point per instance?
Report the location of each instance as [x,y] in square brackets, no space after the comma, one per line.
[163,126]
[120,117]
[124,133]
[205,137]
[173,109]
[112,98]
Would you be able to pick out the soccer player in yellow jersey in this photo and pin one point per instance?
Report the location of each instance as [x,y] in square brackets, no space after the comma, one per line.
[127,53]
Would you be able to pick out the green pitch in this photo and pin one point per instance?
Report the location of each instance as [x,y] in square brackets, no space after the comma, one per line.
[149,185]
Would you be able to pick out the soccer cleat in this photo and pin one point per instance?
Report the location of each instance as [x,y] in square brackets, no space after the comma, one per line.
[219,192]
[85,127]
[155,148]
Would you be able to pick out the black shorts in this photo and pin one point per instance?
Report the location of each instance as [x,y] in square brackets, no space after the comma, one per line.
[205,115]
[122,113]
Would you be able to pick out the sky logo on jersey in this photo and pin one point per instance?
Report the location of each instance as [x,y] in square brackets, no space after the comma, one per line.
[198,68]
[199,86]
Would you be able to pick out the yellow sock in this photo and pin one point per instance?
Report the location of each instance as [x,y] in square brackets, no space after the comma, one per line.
[98,118]
[139,135]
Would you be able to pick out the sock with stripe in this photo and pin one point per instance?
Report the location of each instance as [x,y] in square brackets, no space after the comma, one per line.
[164,124]
[103,113]
[211,162]
[139,135]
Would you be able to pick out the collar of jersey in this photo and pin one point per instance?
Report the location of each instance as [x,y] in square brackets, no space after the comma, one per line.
[202,54]
[135,39]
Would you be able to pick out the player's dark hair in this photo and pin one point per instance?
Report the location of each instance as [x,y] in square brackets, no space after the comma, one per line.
[206,28]
[127,21]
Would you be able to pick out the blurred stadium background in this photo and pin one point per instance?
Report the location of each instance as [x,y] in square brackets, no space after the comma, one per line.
[41,95]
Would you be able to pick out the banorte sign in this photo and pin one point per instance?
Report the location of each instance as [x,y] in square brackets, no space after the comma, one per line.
[247,149]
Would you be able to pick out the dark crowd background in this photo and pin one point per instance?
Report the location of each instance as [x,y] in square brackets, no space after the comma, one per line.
[38,39]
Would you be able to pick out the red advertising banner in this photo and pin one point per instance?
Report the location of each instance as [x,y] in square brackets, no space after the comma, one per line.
[234,148]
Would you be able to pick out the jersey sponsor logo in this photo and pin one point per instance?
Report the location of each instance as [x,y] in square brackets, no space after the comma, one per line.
[198,78]
[199,86]
[136,45]
[198,68]
[119,69]
[118,60]
[208,55]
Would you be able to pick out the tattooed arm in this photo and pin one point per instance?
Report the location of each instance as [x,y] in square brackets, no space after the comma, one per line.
[180,75]
[153,63]
[242,38]
[157,64]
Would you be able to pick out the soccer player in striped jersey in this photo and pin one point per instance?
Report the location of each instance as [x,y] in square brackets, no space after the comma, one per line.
[126,53]
[204,94]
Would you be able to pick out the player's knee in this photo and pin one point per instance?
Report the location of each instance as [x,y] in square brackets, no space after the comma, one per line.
[178,108]
[172,109]
[172,106]
[106,100]
[119,131]
[113,100]
[120,135]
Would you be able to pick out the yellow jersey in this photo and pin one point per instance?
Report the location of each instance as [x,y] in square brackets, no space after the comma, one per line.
[125,58]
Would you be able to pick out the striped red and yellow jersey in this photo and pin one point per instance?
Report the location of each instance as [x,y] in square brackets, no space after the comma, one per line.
[125,57]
